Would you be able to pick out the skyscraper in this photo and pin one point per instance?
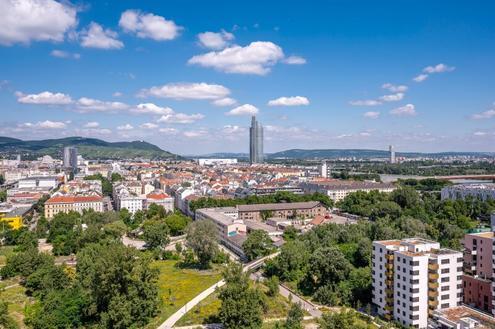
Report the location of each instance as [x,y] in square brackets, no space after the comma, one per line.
[255,141]
[392,154]
[70,158]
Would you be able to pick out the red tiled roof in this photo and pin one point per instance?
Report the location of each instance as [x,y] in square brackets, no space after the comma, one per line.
[74,199]
[158,196]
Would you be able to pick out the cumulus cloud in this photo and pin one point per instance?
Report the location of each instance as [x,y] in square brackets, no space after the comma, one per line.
[366,102]
[92,124]
[148,125]
[227,101]
[64,54]
[44,98]
[289,101]
[295,60]
[484,115]
[149,25]
[168,131]
[215,40]
[47,124]
[246,109]
[150,108]
[97,37]
[394,88]
[233,129]
[392,98]
[85,104]
[125,127]
[427,71]
[256,58]
[406,110]
[181,91]
[181,118]
[23,21]
[372,115]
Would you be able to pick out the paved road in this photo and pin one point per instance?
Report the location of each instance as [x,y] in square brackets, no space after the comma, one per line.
[305,305]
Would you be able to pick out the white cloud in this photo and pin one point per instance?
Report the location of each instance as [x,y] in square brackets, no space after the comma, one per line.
[92,124]
[85,104]
[227,101]
[45,98]
[149,25]
[117,94]
[420,77]
[233,129]
[47,124]
[148,125]
[480,133]
[295,60]
[97,37]
[439,68]
[182,91]
[289,101]
[214,40]
[150,108]
[406,110]
[372,115]
[392,98]
[246,109]
[256,58]
[23,21]
[394,88]
[194,133]
[366,102]
[64,54]
[168,131]
[181,118]
[125,127]
[484,115]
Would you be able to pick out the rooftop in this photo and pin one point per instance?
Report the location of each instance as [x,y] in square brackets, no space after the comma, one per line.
[74,199]
[279,206]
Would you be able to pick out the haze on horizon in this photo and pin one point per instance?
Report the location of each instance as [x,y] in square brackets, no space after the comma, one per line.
[327,75]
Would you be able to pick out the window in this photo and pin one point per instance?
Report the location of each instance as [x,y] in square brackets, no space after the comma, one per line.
[444,297]
[445,288]
[446,279]
[445,270]
[445,261]
[446,305]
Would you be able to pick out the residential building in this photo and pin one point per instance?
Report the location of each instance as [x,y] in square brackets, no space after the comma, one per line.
[294,210]
[255,142]
[338,189]
[478,270]
[460,317]
[462,191]
[413,277]
[68,203]
[216,162]
[160,198]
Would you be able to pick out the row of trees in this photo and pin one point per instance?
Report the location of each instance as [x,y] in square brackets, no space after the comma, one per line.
[278,197]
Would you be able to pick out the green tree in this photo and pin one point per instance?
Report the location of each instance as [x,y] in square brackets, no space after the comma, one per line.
[156,234]
[6,321]
[294,317]
[257,244]
[290,233]
[242,306]
[177,223]
[272,284]
[202,238]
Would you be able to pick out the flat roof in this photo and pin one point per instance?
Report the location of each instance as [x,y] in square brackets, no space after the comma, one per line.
[279,206]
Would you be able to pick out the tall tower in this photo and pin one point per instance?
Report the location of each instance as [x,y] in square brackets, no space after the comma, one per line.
[70,158]
[392,153]
[255,141]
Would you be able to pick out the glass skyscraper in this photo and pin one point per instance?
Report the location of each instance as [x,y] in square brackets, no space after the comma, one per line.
[255,141]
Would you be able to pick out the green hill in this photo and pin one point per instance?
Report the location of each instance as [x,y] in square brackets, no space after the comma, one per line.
[90,148]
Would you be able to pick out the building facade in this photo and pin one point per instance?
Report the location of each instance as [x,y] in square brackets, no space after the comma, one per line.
[337,190]
[65,204]
[70,158]
[462,191]
[255,142]
[294,210]
[414,277]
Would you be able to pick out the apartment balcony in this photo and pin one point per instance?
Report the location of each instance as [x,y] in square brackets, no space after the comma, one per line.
[474,252]
[432,276]
[389,308]
[389,300]
[432,303]
[389,266]
[433,266]
[389,274]
[389,283]
[432,293]
[433,285]
[389,291]
[387,317]
[389,257]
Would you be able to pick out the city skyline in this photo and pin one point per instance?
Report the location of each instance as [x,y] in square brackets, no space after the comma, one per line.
[256,140]
[325,76]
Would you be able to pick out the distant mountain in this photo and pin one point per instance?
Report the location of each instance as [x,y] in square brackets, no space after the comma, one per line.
[361,153]
[90,148]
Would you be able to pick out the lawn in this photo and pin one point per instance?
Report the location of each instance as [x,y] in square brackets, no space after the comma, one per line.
[207,310]
[16,298]
[5,251]
[178,286]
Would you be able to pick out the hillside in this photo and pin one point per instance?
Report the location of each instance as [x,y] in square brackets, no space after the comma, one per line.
[90,148]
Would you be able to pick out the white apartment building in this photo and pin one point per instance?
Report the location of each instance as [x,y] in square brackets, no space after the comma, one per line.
[337,190]
[414,277]
[461,191]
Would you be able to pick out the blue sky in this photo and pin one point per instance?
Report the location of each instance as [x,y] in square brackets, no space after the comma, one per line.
[187,75]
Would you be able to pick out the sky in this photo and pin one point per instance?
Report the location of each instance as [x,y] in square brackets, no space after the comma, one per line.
[187,75]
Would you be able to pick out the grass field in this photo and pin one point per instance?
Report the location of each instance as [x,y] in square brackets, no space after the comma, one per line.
[206,311]
[15,295]
[178,286]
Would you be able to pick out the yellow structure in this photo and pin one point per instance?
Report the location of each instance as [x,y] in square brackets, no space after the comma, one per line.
[14,222]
